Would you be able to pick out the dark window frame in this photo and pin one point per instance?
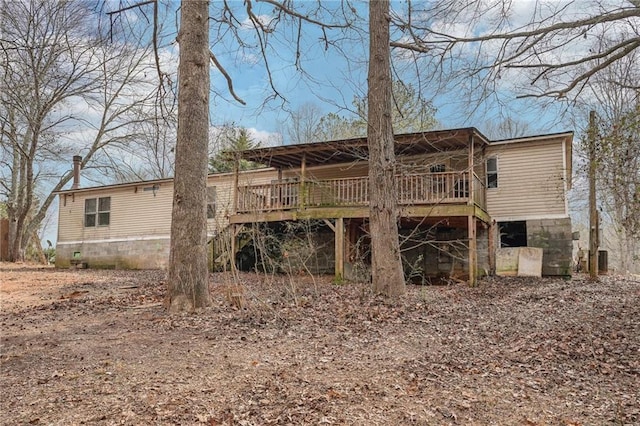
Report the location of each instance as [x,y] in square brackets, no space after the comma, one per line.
[97,212]
[492,173]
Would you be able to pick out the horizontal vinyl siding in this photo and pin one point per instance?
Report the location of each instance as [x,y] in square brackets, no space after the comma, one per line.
[335,171]
[530,180]
[224,193]
[223,184]
[138,213]
[69,218]
[134,212]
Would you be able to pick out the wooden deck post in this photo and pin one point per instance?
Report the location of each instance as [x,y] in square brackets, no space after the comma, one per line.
[492,247]
[473,250]
[339,248]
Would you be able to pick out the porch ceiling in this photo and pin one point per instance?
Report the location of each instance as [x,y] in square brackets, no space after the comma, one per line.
[347,150]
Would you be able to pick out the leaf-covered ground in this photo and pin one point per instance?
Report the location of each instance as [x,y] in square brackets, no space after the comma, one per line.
[96,347]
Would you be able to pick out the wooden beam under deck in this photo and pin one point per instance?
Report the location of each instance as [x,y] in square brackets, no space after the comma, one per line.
[445,210]
[310,213]
[473,251]
[440,210]
[339,249]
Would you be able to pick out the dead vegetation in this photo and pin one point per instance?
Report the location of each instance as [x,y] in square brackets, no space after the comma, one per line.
[96,347]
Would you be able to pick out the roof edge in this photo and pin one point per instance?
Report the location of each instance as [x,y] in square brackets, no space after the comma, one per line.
[533,138]
[149,182]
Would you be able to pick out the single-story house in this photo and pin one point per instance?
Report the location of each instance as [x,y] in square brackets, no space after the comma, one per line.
[461,198]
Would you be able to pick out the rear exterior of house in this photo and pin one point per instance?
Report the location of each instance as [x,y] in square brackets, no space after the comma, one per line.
[527,198]
[460,197]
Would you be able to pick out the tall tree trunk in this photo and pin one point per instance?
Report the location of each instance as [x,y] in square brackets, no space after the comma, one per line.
[386,264]
[188,283]
[13,203]
[15,251]
[594,220]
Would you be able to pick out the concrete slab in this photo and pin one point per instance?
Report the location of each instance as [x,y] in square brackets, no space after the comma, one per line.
[507,261]
[530,262]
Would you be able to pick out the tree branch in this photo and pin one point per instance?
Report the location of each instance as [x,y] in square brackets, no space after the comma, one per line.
[226,76]
[587,75]
[133,6]
[594,20]
[293,13]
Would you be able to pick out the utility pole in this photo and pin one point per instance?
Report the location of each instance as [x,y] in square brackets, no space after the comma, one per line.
[593,210]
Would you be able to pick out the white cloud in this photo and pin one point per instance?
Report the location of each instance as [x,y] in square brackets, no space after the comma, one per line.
[265,138]
[264,20]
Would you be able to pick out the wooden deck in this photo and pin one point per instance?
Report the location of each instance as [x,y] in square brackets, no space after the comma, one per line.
[329,196]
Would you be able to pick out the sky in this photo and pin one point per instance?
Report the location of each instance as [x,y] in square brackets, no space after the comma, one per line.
[327,76]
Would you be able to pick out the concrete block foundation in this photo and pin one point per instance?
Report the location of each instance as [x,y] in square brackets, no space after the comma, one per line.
[554,237]
[128,254]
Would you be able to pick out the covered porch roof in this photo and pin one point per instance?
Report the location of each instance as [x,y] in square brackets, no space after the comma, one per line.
[347,150]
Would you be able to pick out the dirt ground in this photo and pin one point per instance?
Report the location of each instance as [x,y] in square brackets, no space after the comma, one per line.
[96,347]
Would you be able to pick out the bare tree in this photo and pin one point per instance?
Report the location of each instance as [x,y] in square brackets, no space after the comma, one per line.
[304,122]
[611,96]
[151,154]
[612,93]
[386,264]
[333,126]
[489,47]
[188,277]
[409,113]
[618,172]
[508,128]
[58,77]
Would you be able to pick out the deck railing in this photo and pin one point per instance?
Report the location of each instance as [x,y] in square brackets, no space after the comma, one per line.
[479,192]
[413,189]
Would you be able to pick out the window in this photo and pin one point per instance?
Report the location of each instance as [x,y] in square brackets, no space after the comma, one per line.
[513,234]
[97,211]
[211,202]
[492,172]
[437,168]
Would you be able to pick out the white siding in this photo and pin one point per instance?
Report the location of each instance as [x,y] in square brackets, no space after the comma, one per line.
[329,171]
[530,180]
[134,212]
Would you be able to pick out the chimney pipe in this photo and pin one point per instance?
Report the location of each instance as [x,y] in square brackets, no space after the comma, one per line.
[77,163]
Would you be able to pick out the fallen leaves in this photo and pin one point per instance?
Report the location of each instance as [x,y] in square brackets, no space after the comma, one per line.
[97,346]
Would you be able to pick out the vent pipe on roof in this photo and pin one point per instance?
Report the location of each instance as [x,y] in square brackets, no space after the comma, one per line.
[77,164]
